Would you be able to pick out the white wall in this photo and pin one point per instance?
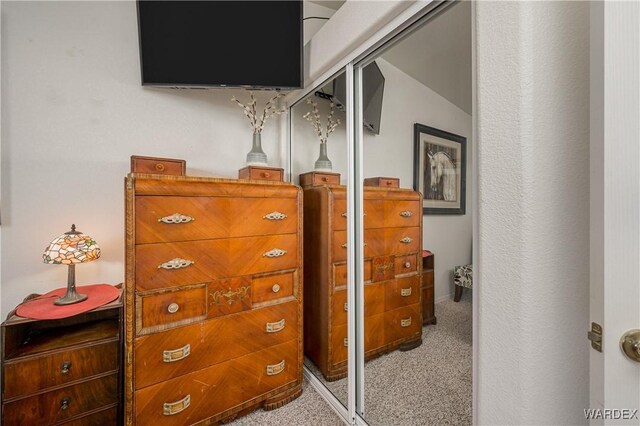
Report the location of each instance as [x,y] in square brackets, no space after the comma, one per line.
[312,26]
[406,101]
[73,111]
[533,165]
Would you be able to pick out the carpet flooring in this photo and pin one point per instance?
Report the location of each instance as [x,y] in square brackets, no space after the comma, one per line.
[429,385]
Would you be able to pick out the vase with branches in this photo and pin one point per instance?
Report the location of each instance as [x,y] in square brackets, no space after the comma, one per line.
[257,157]
[322,131]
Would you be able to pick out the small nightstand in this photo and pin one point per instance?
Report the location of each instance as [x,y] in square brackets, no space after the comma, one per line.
[64,371]
[428,306]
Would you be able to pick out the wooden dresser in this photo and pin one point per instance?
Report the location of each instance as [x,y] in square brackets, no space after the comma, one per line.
[213,298]
[392,269]
[64,371]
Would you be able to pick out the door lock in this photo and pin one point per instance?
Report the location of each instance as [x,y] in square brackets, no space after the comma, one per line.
[595,335]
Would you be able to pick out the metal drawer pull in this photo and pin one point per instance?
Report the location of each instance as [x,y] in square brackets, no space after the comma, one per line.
[176,354]
[276,252]
[275,215]
[345,214]
[171,408]
[346,307]
[274,369]
[275,288]
[405,322]
[407,265]
[176,218]
[64,403]
[346,341]
[406,240]
[404,293]
[176,263]
[345,245]
[406,213]
[66,366]
[173,308]
[274,327]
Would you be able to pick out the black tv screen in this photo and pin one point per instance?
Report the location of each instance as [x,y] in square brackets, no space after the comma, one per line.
[221,43]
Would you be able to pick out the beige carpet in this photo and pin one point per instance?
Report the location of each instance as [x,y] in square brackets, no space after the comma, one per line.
[429,385]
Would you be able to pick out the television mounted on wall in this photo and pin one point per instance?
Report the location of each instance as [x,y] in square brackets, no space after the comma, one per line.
[253,44]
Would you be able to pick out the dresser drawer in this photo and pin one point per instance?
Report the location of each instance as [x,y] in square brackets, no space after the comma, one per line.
[374,329]
[164,309]
[380,214]
[402,292]
[58,405]
[339,214]
[272,287]
[175,264]
[373,303]
[205,393]
[170,219]
[402,323]
[406,264]
[340,273]
[22,377]
[169,354]
[379,242]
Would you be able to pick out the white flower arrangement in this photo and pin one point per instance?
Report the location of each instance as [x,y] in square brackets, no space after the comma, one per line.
[250,111]
[313,117]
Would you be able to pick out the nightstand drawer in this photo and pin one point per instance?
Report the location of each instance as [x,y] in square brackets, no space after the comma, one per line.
[105,417]
[61,404]
[23,377]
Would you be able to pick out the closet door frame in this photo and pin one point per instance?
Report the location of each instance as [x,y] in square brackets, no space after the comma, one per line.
[352,65]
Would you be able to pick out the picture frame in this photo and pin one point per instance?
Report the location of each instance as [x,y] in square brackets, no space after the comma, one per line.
[441,157]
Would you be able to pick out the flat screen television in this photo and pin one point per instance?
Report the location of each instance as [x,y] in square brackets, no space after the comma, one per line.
[372,91]
[255,44]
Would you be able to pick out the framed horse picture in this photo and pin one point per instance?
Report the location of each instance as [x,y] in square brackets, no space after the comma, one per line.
[439,171]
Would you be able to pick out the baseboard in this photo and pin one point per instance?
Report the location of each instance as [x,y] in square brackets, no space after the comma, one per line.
[443,298]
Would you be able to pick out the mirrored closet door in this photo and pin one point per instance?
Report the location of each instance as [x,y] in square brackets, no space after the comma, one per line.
[319,160]
[413,100]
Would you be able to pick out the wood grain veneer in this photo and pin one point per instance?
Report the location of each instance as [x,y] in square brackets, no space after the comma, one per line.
[392,273]
[213,298]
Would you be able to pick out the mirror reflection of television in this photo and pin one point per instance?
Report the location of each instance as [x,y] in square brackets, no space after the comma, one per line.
[255,44]
[372,88]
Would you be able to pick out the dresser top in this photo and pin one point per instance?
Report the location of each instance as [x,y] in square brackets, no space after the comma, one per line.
[153,184]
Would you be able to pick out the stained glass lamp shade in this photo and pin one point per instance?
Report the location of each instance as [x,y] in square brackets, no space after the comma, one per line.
[68,249]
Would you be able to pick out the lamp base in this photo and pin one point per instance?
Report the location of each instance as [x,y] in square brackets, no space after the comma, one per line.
[72,296]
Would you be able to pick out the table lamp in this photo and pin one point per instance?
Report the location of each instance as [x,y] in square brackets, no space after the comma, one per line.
[68,249]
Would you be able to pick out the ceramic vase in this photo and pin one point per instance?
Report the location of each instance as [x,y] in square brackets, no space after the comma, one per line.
[323,164]
[256,157]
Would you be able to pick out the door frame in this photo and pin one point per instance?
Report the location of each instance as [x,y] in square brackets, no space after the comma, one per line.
[614,200]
